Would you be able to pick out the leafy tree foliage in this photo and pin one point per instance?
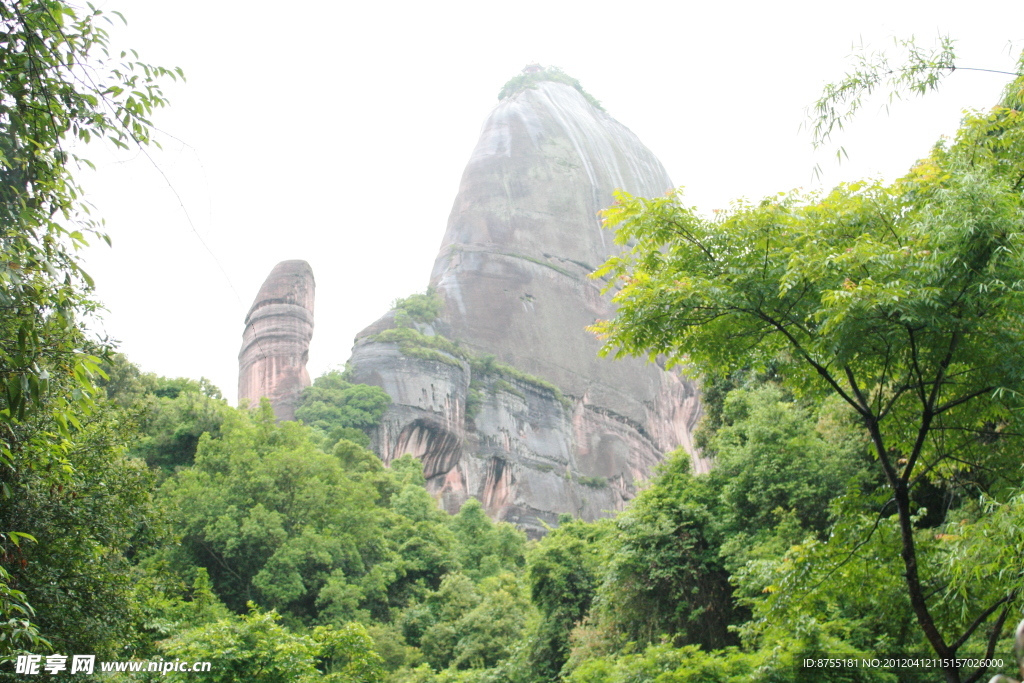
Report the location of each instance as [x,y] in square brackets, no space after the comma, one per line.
[167,604]
[861,354]
[84,531]
[58,81]
[48,97]
[921,72]
[417,308]
[905,301]
[421,535]
[772,461]
[322,538]
[463,625]
[485,548]
[256,647]
[665,575]
[663,663]
[564,571]
[273,518]
[172,413]
[172,428]
[342,410]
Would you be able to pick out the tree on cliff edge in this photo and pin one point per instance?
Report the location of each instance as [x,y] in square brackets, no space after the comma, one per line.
[59,84]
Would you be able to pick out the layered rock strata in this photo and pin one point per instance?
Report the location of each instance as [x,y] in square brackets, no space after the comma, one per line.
[523,414]
[275,344]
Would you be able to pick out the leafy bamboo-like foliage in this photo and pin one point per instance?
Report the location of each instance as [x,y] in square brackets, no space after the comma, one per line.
[60,85]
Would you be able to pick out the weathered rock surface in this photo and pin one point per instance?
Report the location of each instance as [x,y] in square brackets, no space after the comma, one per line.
[512,274]
[275,344]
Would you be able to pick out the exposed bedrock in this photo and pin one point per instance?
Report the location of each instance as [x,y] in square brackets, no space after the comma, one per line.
[523,235]
[275,343]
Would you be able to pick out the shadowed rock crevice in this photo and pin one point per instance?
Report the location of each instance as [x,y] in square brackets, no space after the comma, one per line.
[438,448]
[499,483]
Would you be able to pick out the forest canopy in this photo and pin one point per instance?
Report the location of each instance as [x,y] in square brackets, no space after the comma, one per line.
[902,303]
[862,366]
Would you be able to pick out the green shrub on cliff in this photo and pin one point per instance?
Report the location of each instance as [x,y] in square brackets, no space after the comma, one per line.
[423,308]
[529,80]
[341,409]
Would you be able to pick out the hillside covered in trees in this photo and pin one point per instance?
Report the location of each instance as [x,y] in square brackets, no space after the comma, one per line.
[861,358]
[287,551]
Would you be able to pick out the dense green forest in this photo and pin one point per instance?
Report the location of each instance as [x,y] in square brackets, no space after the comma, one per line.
[861,354]
[189,529]
[192,530]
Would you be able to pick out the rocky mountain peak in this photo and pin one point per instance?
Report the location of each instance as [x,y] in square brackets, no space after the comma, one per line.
[502,394]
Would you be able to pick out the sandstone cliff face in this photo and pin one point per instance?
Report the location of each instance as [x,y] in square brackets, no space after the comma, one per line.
[512,274]
[275,344]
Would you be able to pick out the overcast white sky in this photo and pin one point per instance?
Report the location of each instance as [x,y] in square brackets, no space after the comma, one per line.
[337,132]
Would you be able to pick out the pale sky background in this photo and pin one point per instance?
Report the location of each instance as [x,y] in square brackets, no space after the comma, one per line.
[337,132]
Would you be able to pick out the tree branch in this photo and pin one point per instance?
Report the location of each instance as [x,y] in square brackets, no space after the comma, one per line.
[820,369]
[993,638]
[981,620]
[963,399]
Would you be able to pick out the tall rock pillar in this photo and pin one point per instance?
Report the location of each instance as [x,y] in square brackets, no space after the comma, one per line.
[275,344]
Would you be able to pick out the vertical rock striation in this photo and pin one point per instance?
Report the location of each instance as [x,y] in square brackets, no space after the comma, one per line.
[546,427]
[275,344]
